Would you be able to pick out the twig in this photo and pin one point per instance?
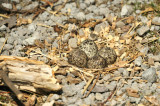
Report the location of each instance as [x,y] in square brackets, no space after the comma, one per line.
[8,82]
[4,43]
[102,104]
[92,86]
[89,82]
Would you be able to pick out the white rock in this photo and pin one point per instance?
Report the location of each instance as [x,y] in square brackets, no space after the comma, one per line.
[126,10]
[142,30]
[99,96]
[81,16]
[73,42]
[7,5]
[138,61]
[150,75]
[32,39]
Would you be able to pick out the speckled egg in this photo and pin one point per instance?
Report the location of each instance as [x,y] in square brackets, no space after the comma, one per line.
[108,54]
[96,62]
[78,58]
[89,47]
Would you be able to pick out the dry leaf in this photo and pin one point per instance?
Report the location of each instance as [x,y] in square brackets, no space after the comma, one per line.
[22,21]
[121,63]
[130,19]
[132,92]
[24,59]
[147,10]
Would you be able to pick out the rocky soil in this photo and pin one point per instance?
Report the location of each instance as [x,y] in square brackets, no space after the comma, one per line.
[130,27]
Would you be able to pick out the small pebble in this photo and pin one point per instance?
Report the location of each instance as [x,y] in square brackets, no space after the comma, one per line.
[73,42]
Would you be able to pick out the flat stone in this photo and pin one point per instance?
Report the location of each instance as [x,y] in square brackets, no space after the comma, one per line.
[138,61]
[142,30]
[73,42]
[99,88]
[150,75]
[126,10]
[99,96]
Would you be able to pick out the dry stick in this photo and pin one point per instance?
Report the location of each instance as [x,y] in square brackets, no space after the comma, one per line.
[89,82]
[3,44]
[92,86]
[102,104]
[8,82]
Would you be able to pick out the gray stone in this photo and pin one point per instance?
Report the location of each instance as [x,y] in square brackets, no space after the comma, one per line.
[110,86]
[7,47]
[133,99]
[90,99]
[144,66]
[152,28]
[135,86]
[119,92]
[125,73]
[81,16]
[31,6]
[81,32]
[147,92]
[2,28]
[113,103]
[69,90]
[10,40]
[79,102]
[18,47]
[89,1]
[2,40]
[73,42]
[104,11]
[126,10]
[99,88]
[65,37]
[32,27]
[55,44]
[72,100]
[120,24]
[144,50]
[138,61]
[83,6]
[143,19]
[150,75]
[142,30]
[5,53]
[156,58]
[153,87]
[7,5]
[101,26]
[156,20]
[138,11]
[44,59]
[54,97]
[106,77]
[117,74]
[157,28]
[31,40]
[99,96]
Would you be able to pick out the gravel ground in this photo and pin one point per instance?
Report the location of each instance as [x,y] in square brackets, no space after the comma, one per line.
[135,84]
